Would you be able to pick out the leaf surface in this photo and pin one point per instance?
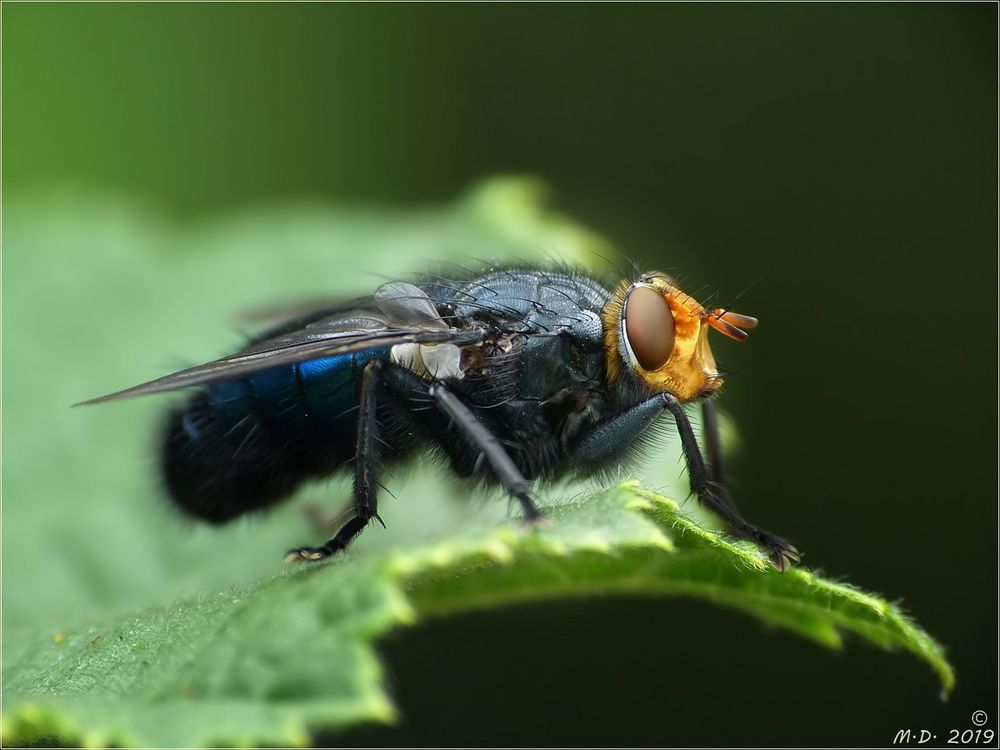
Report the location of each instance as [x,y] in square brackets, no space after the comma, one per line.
[266,664]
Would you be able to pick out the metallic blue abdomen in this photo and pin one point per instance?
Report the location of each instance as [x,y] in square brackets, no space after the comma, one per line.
[248,443]
[319,394]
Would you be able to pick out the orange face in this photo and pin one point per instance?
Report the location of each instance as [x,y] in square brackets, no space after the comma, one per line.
[661,333]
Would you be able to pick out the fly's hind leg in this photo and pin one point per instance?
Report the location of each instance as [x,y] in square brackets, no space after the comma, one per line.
[365,483]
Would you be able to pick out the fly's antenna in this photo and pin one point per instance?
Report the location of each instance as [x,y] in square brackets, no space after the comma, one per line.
[729,323]
[746,289]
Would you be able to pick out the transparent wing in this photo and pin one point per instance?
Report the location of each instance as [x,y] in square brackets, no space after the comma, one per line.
[339,334]
[395,306]
[405,304]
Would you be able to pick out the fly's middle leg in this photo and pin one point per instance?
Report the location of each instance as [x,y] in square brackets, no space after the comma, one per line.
[476,433]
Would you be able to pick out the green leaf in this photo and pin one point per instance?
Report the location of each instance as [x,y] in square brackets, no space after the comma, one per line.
[230,645]
[268,663]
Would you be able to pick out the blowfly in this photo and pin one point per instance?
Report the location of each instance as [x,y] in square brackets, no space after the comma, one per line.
[515,375]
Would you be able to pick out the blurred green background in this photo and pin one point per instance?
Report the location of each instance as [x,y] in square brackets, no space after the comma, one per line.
[833,164]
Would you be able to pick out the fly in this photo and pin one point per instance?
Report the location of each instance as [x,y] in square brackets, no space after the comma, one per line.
[515,375]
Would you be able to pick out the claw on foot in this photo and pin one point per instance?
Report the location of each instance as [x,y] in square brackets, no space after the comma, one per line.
[781,554]
[305,554]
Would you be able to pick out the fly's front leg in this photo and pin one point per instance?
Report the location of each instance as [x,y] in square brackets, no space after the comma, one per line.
[365,485]
[476,433]
[606,439]
[780,552]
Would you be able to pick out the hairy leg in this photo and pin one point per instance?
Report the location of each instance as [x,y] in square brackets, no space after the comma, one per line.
[605,438]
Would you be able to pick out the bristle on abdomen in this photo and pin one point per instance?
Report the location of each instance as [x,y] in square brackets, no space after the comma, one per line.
[216,467]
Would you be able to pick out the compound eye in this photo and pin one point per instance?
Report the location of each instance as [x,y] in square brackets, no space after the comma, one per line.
[649,327]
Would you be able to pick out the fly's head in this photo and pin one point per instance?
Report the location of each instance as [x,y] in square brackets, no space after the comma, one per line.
[659,334]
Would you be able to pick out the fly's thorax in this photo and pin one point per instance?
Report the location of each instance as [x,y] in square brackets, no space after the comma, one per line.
[657,334]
